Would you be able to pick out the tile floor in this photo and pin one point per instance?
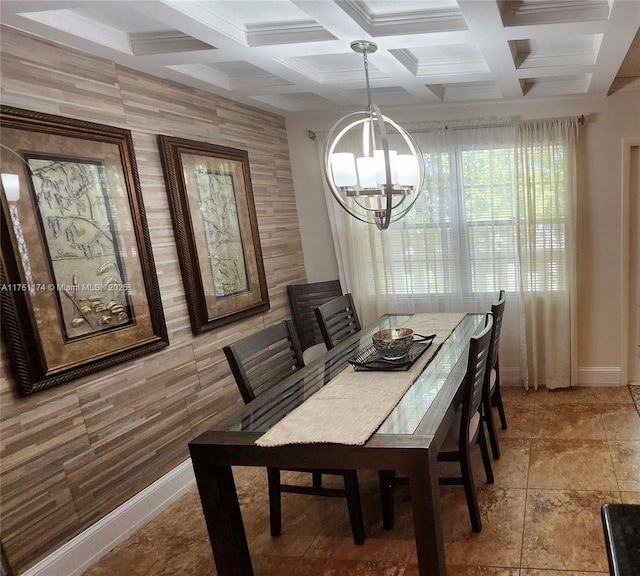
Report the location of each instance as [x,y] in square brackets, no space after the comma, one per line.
[564,454]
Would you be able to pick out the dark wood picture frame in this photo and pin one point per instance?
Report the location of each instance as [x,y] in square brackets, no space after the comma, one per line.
[216,229]
[78,285]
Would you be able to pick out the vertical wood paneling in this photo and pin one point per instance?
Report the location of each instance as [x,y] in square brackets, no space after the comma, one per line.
[72,454]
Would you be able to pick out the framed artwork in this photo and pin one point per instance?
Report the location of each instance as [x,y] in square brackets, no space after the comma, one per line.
[78,284]
[216,230]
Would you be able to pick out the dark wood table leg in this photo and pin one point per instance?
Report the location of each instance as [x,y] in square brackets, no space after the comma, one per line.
[427,526]
[222,514]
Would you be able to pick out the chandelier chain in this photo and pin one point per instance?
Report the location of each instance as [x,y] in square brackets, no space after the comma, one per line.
[366,77]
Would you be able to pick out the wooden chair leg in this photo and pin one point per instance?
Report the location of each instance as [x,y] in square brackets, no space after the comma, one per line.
[484,450]
[497,401]
[470,490]
[355,506]
[316,479]
[491,428]
[275,505]
[387,481]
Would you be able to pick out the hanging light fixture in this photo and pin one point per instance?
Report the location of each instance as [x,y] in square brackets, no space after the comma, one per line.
[373,167]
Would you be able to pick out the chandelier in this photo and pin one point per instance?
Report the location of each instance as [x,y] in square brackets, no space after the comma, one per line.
[373,167]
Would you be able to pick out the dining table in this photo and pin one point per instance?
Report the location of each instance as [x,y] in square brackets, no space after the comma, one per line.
[408,439]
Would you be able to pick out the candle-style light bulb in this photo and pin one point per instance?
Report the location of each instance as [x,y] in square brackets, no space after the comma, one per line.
[344,169]
[11,186]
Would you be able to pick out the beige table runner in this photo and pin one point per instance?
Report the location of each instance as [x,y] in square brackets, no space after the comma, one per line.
[350,408]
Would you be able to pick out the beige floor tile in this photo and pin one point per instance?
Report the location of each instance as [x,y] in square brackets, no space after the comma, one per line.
[396,550]
[517,395]
[499,542]
[545,397]
[563,530]
[626,464]
[160,548]
[403,517]
[345,549]
[571,465]
[527,572]
[339,567]
[570,422]
[249,476]
[621,422]
[412,570]
[311,567]
[255,516]
[315,516]
[452,469]
[630,497]
[511,469]
[274,565]
[521,421]
[586,395]
[481,571]
[287,544]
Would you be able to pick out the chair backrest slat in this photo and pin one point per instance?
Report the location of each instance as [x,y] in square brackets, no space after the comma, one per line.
[477,366]
[304,299]
[497,310]
[265,358]
[338,319]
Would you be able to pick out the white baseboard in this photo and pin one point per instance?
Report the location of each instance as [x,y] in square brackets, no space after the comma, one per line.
[599,376]
[586,376]
[509,376]
[74,557]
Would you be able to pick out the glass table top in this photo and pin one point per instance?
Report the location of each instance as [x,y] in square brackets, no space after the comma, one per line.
[407,414]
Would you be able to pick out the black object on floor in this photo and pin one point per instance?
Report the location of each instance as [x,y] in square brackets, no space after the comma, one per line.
[635,394]
[621,524]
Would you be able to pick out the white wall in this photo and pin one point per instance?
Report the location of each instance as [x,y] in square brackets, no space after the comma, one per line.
[608,121]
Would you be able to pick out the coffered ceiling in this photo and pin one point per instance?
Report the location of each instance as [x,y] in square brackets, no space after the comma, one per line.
[293,55]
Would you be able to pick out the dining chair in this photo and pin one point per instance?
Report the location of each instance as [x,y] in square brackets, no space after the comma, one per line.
[337,319]
[304,299]
[491,395]
[465,432]
[258,362]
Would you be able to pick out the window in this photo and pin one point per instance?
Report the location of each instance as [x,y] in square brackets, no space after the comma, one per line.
[461,237]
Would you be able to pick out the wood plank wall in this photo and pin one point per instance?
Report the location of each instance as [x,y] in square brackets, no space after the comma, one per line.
[72,454]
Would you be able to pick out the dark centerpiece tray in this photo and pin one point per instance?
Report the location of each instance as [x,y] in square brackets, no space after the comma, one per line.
[370,358]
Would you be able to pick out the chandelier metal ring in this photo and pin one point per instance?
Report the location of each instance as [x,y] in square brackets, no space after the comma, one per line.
[371,181]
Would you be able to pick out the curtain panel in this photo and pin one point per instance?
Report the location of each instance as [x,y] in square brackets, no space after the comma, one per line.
[546,180]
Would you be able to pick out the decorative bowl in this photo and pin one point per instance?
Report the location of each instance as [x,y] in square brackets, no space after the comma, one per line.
[394,343]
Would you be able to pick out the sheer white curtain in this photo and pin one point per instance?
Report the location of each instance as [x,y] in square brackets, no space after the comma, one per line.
[465,238]
[360,250]
[547,199]
[461,235]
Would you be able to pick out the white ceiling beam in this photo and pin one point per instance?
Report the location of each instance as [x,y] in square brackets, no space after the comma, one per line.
[484,20]
[622,26]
